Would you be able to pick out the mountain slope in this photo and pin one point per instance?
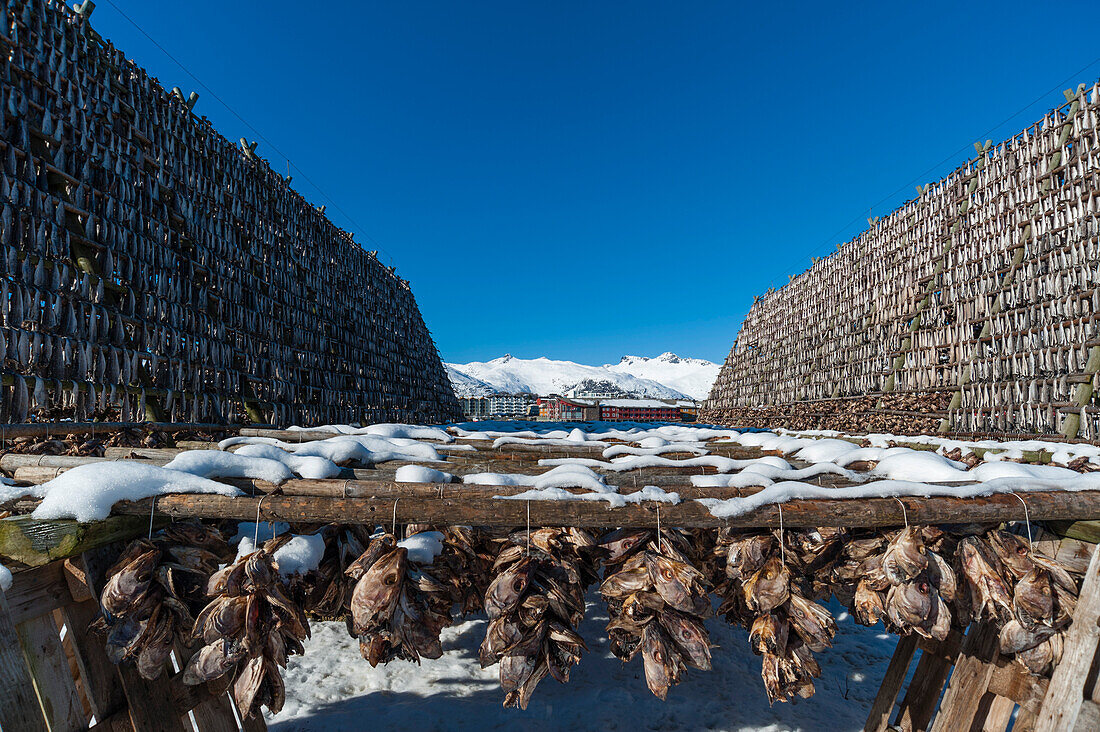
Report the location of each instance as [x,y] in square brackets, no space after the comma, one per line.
[634,375]
[692,376]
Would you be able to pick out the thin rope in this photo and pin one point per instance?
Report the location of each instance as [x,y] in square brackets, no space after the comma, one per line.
[152,510]
[394,529]
[904,515]
[659,536]
[1027,520]
[782,548]
[345,488]
[528,528]
[256,535]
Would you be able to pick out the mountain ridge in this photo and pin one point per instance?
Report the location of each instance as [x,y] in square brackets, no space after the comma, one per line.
[667,376]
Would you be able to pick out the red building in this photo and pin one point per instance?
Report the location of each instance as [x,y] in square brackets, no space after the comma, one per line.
[556,408]
[639,410]
[559,409]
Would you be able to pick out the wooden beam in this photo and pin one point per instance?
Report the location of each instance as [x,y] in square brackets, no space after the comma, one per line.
[33,543]
[461,506]
[58,429]
[879,718]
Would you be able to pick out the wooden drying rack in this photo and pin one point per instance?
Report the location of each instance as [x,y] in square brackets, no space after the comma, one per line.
[59,586]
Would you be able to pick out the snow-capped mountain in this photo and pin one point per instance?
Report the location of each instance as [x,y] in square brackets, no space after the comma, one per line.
[666,377]
[692,376]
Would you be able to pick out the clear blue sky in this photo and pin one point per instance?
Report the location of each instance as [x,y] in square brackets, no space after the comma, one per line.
[582,180]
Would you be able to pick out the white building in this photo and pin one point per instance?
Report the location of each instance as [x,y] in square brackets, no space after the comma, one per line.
[498,406]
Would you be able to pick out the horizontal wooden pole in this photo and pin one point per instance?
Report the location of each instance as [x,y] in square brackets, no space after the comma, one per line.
[58,429]
[460,508]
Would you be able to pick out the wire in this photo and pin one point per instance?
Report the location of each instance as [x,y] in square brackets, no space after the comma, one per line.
[258,134]
[952,156]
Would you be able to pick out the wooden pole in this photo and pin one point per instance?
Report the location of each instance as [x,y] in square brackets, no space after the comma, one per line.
[459,508]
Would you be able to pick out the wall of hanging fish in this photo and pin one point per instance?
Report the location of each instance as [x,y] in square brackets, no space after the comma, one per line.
[149,268]
[985,288]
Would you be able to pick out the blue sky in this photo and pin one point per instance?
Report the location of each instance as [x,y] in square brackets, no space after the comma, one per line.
[583,180]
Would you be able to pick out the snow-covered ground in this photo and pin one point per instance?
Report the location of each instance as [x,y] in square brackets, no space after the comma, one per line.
[332,688]
[667,376]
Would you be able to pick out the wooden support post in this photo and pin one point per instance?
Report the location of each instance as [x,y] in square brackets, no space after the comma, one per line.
[1065,694]
[969,681]
[19,709]
[879,718]
[923,694]
[49,667]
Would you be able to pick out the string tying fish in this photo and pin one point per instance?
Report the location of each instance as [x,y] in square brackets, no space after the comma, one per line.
[345,488]
[528,528]
[393,530]
[782,543]
[256,535]
[1027,519]
[904,514]
[659,536]
[152,510]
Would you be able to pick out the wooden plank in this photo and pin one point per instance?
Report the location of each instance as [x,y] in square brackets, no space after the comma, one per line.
[1025,720]
[969,680]
[1088,719]
[38,591]
[49,667]
[19,708]
[34,543]
[1082,530]
[879,718]
[462,508]
[920,700]
[1067,685]
[215,715]
[97,673]
[1075,555]
[998,713]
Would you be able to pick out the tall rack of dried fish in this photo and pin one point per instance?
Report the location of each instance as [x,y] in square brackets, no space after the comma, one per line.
[971,308]
[150,269]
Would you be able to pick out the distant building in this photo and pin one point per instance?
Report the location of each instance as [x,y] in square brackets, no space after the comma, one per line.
[555,408]
[499,406]
[640,410]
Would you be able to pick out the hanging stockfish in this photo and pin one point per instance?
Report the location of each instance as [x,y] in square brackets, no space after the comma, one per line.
[656,600]
[249,628]
[397,608]
[764,591]
[152,592]
[534,604]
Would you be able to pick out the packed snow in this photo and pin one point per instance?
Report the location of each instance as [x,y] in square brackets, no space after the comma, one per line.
[424,547]
[87,492]
[305,466]
[218,464]
[332,689]
[420,474]
[5,578]
[301,555]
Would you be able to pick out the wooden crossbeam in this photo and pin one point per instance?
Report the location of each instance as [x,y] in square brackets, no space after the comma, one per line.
[467,508]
